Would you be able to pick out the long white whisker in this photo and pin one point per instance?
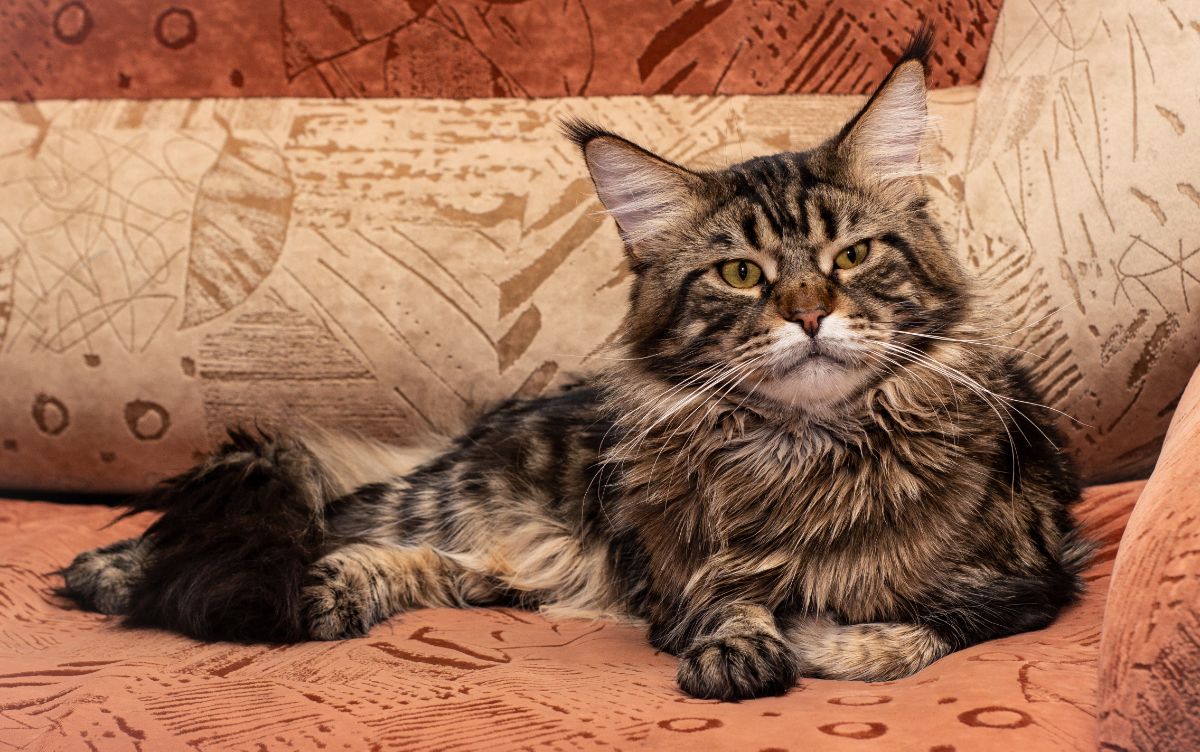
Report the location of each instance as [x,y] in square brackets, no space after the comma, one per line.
[1005,398]
[902,332]
[711,383]
[881,360]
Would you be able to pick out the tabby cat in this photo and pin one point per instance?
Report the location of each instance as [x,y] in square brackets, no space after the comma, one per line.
[813,456]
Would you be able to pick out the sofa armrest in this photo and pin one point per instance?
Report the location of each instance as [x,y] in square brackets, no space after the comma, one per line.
[1150,644]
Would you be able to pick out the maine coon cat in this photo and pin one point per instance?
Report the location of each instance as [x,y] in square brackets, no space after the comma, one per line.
[811,457]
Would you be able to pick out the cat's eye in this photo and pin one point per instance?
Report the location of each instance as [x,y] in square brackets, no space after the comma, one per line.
[740,273]
[851,257]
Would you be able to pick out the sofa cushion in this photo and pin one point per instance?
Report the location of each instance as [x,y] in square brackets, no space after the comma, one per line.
[1150,648]
[394,266]
[1082,208]
[498,678]
[389,267]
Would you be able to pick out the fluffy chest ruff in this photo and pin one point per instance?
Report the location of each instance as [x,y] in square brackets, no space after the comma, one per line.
[855,515]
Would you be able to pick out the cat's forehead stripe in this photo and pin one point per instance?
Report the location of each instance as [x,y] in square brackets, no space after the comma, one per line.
[749,186]
[799,208]
[750,229]
[778,193]
[829,219]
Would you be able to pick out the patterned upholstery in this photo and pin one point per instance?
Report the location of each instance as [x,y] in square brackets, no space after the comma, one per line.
[1150,651]
[170,265]
[473,48]
[391,267]
[1082,206]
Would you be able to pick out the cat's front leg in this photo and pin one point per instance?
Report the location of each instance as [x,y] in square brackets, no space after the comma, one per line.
[742,657]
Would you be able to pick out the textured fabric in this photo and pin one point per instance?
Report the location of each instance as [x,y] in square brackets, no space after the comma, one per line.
[1150,650]
[496,679]
[473,48]
[390,267]
[1082,203]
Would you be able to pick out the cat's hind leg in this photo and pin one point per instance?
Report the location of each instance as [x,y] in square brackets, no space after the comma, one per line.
[105,578]
[972,606]
[359,585]
[880,651]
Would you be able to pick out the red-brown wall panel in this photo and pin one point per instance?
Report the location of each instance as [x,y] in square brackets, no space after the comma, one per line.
[473,48]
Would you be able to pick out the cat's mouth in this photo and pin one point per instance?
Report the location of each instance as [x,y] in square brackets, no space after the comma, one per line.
[815,355]
[818,355]
[811,376]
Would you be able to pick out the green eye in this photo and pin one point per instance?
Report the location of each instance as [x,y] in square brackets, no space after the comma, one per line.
[740,273]
[852,256]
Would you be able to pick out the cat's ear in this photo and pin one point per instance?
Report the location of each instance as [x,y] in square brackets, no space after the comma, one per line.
[884,141]
[642,191]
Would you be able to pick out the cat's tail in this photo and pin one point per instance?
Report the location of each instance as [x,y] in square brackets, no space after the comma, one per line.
[240,530]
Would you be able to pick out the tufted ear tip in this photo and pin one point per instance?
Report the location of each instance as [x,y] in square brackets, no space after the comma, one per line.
[582,132]
[885,139]
[920,45]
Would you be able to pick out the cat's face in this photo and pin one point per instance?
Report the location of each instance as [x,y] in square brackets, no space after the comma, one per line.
[792,278]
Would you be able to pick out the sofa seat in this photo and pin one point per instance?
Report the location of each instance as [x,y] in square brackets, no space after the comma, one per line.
[497,679]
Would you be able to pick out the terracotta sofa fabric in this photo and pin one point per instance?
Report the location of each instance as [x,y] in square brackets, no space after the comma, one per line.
[1082,206]
[66,49]
[386,266]
[1150,648]
[504,679]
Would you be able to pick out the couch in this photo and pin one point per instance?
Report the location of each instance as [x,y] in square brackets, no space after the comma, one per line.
[363,215]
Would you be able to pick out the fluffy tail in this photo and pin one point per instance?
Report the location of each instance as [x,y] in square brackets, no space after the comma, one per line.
[240,530]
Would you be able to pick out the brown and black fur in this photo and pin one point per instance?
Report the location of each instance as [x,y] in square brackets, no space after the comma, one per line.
[839,472]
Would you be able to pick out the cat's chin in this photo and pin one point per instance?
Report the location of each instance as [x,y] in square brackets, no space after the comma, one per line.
[816,384]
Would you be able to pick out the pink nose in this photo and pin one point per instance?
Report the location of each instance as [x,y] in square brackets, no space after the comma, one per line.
[809,320]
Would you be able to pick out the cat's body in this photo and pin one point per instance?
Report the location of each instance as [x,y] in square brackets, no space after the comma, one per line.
[794,467]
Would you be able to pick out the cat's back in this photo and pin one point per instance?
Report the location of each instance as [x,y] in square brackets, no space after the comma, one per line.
[532,451]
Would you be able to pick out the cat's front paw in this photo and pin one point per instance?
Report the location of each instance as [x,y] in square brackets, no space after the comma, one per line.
[737,667]
[338,602]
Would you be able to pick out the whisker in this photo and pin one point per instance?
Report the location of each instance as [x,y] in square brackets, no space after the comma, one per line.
[712,382]
[1000,396]
[741,373]
[959,340]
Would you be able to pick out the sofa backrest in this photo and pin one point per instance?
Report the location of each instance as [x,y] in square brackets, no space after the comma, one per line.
[392,266]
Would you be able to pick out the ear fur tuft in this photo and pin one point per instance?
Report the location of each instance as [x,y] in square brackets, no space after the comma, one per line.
[885,139]
[581,132]
[919,46]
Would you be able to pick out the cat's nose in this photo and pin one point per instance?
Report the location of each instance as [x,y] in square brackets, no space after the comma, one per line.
[808,319]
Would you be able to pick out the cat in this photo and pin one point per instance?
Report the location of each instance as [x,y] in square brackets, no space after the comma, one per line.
[812,457]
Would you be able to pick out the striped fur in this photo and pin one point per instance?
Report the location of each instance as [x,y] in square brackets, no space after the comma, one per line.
[852,503]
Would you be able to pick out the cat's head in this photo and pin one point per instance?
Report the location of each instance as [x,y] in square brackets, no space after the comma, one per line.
[793,276]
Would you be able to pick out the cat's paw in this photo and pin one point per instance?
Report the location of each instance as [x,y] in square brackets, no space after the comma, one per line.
[103,579]
[338,600]
[737,667]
